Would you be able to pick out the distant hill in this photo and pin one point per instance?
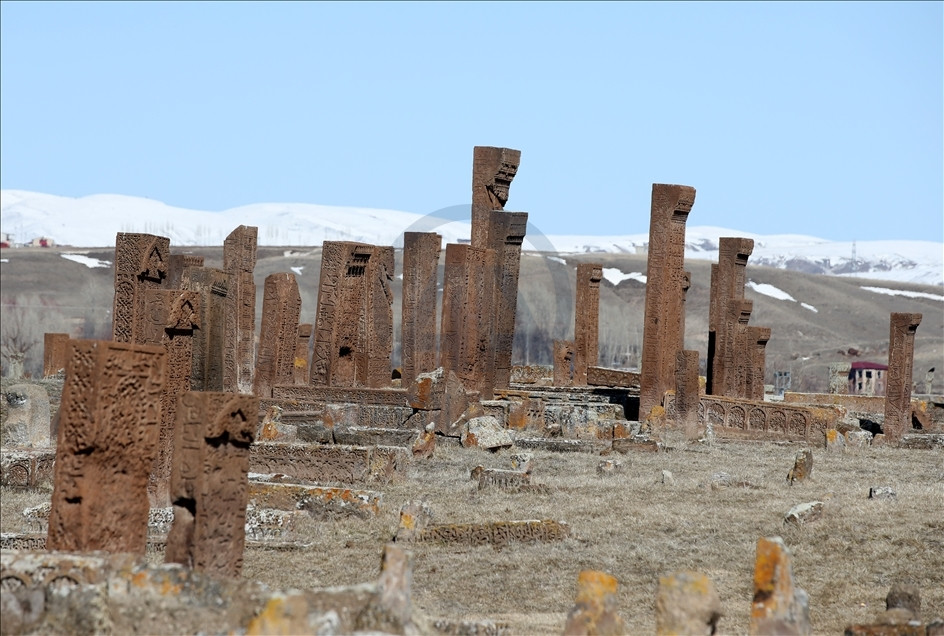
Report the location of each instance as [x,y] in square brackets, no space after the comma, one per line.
[93,221]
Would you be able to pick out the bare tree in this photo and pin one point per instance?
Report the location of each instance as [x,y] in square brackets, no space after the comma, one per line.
[17,338]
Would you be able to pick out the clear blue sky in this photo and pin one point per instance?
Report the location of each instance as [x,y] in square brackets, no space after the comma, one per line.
[812,118]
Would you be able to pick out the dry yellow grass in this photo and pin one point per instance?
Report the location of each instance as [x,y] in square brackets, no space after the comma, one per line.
[637,528]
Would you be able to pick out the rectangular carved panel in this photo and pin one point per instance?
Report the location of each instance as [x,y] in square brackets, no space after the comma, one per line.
[278,335]
[587,320]
[140,263]
[901,336]
[109,426]
[418,325]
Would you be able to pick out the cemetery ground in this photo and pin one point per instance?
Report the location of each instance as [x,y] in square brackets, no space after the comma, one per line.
[638,523]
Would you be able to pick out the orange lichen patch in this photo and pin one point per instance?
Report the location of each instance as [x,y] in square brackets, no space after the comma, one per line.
[593,585]
[300,363]
[831,436]
[282,616]
[421,394]
[269,432]
[594,611]
[773,582]
[620,431]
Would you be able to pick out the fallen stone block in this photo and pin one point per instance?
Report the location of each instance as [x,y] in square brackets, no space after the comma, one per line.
[330,463]
[557,445]
[858,439]
[835,441]
[486,432]
[523,461]
[922,441]
[363,436]
[449,627]
[687,603]
[608,467]
[320,502]
[882,492]
[804,513]
[425,444]
[637,445]
[507,480]
[594,611]
[497,534]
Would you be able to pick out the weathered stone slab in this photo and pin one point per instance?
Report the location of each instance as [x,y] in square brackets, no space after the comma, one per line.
[687,603]
[804,513]
[594,611]
[778,607]
[802,466]
[898,385]
[586,320]
[339,395]
[485,432]
[367,436]
[533,374]
[450,627]
[600,376]
[421,252]
[208,482]
[27,423]
[55,353]
[141,262]
[497,534]
[239,262]
[321,502]
[278,334]
[564,352]
[923,441]
[108,437]
[507,480]
[334,463]
[835,441]
[557,445]
[633,445]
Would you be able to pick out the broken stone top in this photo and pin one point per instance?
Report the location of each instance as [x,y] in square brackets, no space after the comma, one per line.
[735,248]
[679,198]
[493,170]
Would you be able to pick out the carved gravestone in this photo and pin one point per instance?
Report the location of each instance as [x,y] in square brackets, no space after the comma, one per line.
[687,603]
[493,170]
[140,264]
[587,320]
[839,377]
[27,423]
[564,363]
[727,287]
[778,607]
[108,434]
[738,365]
[898,385]
[665,292]
[302,353]
[239,261]
[278,335]
[687,393]
[418,310]
[209,341]
[171,317]
[354,325]
[176,264]
[209,481]
[757,339]
[55,353]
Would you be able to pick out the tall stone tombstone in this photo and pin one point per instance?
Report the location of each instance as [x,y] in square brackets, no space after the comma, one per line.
[354,325]
[278,334]
[687,392]
[587,320]
[564,355]
[209,481]
[757,339]
[172,316]
[418,309]
[839,377]
[302,353]
[55,353]
[737,363]
[727,288]
[898,386]
[493,170]
[109,424]
[665,295]
[176,264]
[141,262]
[239,261]
[214,287]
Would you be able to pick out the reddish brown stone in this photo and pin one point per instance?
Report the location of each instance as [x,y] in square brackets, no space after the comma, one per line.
[239,261]
[171,317]
[140,263]
[354,326]
[209,482]
[278,334]
[418,310]
[302,353]
[601,376]
[55,353]
[586,320]
[506,235]
[594,611]
[176,264]
[665,292]
[215,288]
[727,287]
[564,363]
[108,435]
[757,338]
[493,170]
[687,393]
[898,386]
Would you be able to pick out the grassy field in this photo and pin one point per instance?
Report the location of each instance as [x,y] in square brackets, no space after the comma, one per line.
[635,527]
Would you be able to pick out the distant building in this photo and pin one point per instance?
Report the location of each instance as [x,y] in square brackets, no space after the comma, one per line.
[867,378]
[42,241]
[6,240]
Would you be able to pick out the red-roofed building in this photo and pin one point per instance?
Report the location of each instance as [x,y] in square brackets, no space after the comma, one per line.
[867,378]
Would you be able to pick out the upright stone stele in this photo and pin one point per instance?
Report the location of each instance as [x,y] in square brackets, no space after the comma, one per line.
[898,386]
[839,377]
[493,170]
[215,288]
[354,323]
[239,261]
[302,353]
[564,362]
[778,606]
[687,392]
[278,334]
[727,288]
[109,424]
[172,317]
[209,481]
[141,262]
[665,294]
[587,320]
[55,353]
[757,339]
[418,309]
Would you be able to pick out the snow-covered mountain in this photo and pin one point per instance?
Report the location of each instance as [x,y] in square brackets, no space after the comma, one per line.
[93,221]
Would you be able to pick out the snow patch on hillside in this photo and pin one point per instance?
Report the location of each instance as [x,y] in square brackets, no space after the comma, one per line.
[902,292]
[86,260]
[769,290]
[616,276]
